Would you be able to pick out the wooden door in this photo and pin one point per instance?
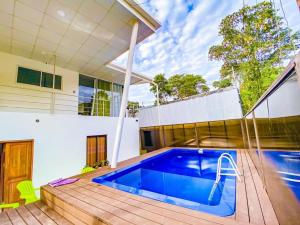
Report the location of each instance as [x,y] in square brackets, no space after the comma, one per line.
[91,151]
[96,149]
[101,147]
[17,167]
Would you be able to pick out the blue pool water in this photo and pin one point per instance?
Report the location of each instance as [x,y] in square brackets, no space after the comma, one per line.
[288,166]
[181,177]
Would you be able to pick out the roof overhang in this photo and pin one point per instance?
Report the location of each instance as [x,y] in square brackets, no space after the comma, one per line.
[85,36]
[137,78]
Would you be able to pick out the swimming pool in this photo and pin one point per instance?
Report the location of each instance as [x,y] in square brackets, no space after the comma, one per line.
[182,177]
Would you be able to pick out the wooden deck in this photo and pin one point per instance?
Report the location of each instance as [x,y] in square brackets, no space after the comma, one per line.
[85,202]
[32,214]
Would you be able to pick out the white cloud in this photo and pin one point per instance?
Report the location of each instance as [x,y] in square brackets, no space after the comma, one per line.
[189,28]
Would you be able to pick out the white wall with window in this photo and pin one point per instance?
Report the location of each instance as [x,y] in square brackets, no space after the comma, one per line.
[28,85]
[35,94]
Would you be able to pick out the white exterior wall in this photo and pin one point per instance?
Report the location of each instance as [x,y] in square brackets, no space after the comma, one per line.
[217,106]
[60,140]
[29,98]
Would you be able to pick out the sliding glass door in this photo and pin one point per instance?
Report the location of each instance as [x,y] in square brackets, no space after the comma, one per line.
[98,97]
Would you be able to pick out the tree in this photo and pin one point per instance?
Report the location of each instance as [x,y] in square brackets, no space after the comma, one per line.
[163,88]
[133,108]
[223,83]
[185,85]
[254,45]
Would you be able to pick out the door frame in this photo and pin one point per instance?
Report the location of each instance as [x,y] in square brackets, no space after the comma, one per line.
[2,161]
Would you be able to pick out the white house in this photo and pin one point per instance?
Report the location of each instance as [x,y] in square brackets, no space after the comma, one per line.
[60,95]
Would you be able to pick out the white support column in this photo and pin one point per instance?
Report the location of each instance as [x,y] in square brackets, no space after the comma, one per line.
[124,102]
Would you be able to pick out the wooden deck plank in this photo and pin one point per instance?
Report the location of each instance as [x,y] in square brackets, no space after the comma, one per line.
[147,211]
[90,213]
[169,209]
[4,219]
[27,216]
[39,215]
[109,211]
[63,211]
[267,209]
[52,214]
[242,213]
[14,217]
[254,208]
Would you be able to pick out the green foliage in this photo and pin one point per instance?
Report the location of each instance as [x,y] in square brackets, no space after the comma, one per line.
[254,45]
[223,83]
[163,88]
[185,85]
[133,108]
[178,86]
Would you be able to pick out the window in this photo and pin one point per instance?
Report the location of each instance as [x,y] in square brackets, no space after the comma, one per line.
[47,80]
[86,95]
[96,150]
[103,98]
[98,97]
[28,76]
[38,78]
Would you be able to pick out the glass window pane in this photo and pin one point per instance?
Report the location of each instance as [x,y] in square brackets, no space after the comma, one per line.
[117,97]
[57,84]
[28,76]
[87,93]
[104,96]
[47,80]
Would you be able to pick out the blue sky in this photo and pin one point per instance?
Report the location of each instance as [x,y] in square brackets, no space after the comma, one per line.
[189,28]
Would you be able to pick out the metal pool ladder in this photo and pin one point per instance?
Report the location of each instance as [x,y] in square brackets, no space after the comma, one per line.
[220,173]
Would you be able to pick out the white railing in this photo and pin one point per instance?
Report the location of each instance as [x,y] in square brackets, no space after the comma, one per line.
[219,173]
[233,168]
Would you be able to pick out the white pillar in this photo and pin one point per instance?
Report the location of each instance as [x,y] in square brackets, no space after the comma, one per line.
[124,102]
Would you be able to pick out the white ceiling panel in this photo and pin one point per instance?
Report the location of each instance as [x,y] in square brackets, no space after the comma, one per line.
[102,34]
[49,36]
[39,5]
[23,25]
[93,10]
[45,46]
[72,4]
[76,35]
[5,19]
[92,42]
[4,40]
[7,6]
[54,25]
[5,31]
[83,24]
[22,52]
[69,43]
[105,3]
[23,36]
[28,13]
[60,12]
[112,24]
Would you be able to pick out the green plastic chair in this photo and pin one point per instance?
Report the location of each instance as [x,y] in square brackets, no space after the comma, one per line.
[27,191]
[87,169]
[9,205]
